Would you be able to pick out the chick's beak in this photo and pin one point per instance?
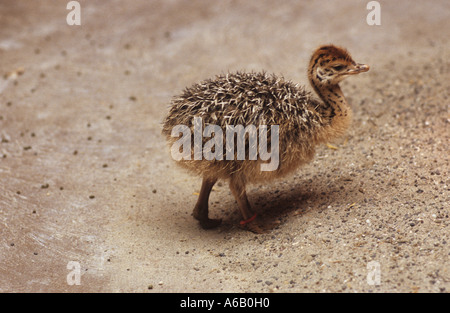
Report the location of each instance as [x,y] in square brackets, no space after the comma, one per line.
[360,68]
[356,69]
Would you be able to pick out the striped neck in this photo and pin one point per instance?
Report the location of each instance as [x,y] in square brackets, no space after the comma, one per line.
[333,100]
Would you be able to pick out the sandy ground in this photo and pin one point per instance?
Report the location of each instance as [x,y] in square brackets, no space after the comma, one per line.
[86,177]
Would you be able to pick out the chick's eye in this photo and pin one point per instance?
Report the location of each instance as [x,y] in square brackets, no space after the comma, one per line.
[338,67]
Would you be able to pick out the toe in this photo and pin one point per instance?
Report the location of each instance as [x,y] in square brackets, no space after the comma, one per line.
[210,223]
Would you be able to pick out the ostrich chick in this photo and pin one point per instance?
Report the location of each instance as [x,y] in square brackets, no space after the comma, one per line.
[261,99]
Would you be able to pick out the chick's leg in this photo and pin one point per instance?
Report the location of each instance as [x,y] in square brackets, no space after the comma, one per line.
[237,187]
[201,208]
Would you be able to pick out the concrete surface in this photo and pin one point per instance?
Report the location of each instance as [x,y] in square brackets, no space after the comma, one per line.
[86,177]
